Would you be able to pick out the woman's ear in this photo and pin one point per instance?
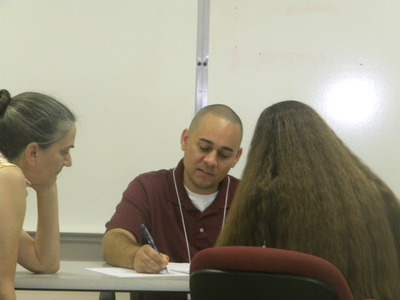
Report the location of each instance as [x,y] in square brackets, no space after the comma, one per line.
[31,153]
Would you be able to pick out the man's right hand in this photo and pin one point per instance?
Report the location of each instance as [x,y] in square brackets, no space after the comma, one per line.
[148,260]
[120,248]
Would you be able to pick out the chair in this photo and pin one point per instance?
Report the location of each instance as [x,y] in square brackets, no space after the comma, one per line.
[239,272]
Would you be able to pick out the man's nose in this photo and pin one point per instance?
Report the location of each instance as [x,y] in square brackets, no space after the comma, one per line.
[211,158]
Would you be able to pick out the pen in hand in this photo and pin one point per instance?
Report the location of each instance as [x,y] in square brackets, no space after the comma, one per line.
[149,239]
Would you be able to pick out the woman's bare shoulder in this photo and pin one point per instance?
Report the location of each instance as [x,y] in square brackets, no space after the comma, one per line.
[12,177]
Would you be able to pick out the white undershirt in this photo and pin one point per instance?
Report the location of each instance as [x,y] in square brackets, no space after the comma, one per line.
[201,201]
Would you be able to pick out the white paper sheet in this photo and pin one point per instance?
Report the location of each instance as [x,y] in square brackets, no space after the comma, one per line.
[174,269]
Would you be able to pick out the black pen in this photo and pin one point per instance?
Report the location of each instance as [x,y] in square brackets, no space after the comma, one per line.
[149,239]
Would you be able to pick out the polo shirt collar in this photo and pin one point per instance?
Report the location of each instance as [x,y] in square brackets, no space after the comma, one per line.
[219,200]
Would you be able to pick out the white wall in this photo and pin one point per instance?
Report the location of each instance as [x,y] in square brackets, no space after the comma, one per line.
[127,68]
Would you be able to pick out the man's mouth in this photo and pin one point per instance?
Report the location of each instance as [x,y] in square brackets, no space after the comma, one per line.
[208,173]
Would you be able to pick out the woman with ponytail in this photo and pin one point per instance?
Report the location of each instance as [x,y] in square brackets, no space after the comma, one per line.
[36,135]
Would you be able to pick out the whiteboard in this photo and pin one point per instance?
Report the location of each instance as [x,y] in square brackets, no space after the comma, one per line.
[127,70]
[340,57]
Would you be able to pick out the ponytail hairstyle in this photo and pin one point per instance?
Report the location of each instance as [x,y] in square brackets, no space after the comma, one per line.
[31,117]
[5,99]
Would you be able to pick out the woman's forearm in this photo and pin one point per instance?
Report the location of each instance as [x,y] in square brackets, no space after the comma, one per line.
[42,254]
[47,239]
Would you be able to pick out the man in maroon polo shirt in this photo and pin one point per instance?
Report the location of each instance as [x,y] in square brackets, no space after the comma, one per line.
[184,208]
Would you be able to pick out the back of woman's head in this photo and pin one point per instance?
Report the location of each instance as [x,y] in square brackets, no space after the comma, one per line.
[31,117]
[303,189]
[293,135]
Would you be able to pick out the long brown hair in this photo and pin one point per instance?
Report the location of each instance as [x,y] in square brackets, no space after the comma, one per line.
[302,189]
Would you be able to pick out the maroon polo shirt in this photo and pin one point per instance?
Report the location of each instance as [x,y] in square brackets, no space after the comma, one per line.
[151,199]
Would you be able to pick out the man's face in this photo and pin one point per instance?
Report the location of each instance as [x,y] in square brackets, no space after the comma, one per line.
[211,150]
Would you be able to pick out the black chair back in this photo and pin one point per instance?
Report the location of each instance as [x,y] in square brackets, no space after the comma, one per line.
[211,284]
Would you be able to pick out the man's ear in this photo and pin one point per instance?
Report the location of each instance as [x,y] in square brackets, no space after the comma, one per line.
[31,153]
[238,155]
[184,137]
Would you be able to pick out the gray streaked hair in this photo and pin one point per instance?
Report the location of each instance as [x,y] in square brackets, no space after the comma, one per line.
[31,117]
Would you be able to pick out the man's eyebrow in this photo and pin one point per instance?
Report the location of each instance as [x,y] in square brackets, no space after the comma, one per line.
[212,143]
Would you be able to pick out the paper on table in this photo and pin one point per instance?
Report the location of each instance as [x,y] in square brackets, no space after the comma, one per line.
[174,269]
[179,267]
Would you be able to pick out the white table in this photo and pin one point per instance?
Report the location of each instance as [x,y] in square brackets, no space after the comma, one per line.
[73,276]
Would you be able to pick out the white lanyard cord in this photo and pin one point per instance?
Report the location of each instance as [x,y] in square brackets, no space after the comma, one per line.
[226,202]
[183,220]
